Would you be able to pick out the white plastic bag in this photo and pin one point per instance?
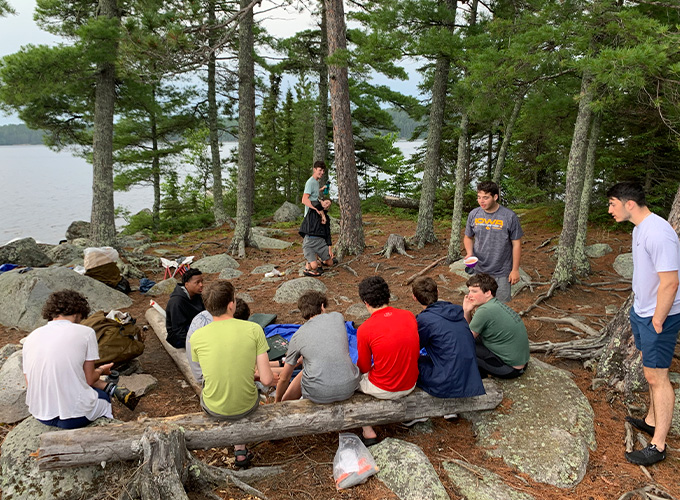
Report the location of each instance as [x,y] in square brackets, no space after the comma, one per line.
[353,463]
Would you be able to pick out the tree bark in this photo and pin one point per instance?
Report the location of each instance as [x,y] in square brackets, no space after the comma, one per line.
[425,226]
[507,137]
[155,164]
[394,201]
[351,240]
[103,225]
[321,116]
[246,134]
[581,262]
[218,199]
[564,270]
[455,240]
[92,445]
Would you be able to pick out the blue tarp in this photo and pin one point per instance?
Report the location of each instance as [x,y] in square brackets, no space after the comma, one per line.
[287,331]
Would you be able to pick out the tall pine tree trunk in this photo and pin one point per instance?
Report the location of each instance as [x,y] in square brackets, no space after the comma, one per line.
[321,116]
[103,225]
[581,262]
[246,134]
[218,199]
[564,270]
[351,239]
[461,165]
[425,227]
[155,165]
[507,137]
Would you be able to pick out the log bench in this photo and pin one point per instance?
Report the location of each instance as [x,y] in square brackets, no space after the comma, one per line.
[119,442]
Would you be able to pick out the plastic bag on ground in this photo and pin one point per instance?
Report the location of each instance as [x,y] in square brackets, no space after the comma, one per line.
[353,463]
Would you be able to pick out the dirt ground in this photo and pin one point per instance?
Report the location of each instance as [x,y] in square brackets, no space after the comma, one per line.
[308,460]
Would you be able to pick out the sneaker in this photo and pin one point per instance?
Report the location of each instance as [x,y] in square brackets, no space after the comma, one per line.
[640,424]
[129,399]
[415,421]
[646,456]
[451,417]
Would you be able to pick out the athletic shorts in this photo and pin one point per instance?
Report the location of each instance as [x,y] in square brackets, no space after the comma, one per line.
[367,387]
[657,348]
[102,408]
[313,246]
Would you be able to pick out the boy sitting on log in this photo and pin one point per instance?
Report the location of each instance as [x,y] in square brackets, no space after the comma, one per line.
[328,373]
[228,350]
[388,348]
[64,387]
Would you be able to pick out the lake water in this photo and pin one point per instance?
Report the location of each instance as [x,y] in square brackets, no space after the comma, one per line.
[43,191]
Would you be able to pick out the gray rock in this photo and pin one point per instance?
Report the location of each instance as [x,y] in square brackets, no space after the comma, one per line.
[266,243]
[13,391]
[484,485]
[64,253]
[611,309]
[22,296]
[7,350]
[215,263]
[20,478]
[357,311]
[245,297]
[229,274]
[272,232]
[675,424]
[139,383]
[130,271]
[265,268]
[524,280]
[406,471]
[82,242]
[164,287]
[546,432]
[598,250]
[132,240]
[623,265]
[24,252]
[78,229]
[290,291]
[458,268]
[287,212]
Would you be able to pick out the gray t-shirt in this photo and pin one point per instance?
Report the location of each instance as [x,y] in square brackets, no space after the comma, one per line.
[312,189]
[493,234]
[200,320]
[328,373]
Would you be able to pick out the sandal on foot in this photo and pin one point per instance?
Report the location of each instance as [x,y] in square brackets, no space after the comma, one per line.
[640,424]
[369,441]
[311,274]
[247,458]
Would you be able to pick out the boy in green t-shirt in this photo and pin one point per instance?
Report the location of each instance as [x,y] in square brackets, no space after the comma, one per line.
[502,346]
[228,350]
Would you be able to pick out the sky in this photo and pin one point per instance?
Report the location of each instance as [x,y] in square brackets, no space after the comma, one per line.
[20,30]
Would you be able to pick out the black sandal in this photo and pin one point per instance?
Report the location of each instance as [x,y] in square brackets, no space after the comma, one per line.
[248,458]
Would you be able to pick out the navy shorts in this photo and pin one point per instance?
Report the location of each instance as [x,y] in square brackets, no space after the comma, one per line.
[657,348]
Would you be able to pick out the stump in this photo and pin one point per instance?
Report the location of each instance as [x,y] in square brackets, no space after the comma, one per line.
[395,242]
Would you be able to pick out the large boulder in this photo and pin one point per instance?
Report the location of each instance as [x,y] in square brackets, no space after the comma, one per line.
[358,311]
[165,287]
[266,243]
[24,252]
[547,430]
[458,268]
[406,470]
[290,291]
[477,483]
[215,263]
[229,274]
[64,253]
[78,229]
[20,478]
[598,250]
[7,350]
[288,212]
[23,295]
[623,265]
[13,391]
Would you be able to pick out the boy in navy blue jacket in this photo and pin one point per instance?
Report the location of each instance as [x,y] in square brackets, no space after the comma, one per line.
[449,369]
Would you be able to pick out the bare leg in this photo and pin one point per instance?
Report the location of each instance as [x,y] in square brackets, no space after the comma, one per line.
[368,432]
[294,390]
[662,399]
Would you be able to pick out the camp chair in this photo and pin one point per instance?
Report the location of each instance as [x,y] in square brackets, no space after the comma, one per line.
[167,264]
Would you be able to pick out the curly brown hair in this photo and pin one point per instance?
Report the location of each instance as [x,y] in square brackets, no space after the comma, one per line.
[65,303]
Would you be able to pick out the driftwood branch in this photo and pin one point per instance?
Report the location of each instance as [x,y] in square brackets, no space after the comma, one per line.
[570,321]
[116,442]
[179,356]
[420,273]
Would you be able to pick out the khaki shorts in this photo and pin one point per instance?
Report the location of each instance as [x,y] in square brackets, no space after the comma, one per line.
[367,387]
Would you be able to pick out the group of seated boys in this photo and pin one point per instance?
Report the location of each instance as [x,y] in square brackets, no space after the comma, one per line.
[228,354]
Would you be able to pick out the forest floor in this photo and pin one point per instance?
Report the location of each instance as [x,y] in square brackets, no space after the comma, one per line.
[308,460]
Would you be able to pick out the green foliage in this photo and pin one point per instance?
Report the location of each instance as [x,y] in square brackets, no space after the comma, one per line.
[19,134]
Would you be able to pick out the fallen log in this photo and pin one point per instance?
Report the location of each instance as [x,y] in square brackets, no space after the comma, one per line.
[119,442]
[420,273]
[179,356]
[396,202]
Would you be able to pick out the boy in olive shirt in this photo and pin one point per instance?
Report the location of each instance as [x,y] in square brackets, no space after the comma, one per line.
[502,346]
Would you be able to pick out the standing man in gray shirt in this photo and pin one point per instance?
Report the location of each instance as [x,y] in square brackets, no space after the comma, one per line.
[493,235]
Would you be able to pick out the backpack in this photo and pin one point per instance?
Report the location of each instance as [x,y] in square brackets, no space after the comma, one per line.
[117,342]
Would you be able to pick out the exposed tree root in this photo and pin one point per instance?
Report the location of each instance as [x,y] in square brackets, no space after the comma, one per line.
[169,469]
[649,492]
[395,242]
[540,299]
[582,349]
[570,321]
[420,273]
